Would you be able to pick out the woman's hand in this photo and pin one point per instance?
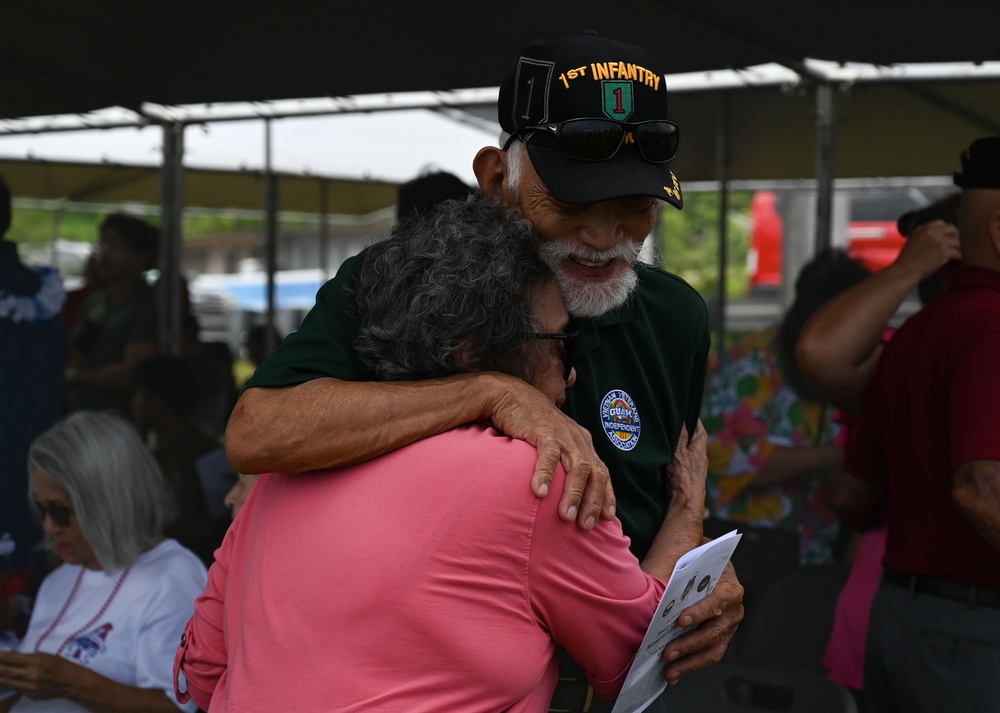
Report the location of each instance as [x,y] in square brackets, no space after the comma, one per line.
[43,676]
[38,676]
[688,471]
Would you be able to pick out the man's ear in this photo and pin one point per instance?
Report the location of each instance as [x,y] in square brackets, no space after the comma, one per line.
[994,227]
[490,167]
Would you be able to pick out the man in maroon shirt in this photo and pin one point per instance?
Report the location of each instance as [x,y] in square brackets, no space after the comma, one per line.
[929,440]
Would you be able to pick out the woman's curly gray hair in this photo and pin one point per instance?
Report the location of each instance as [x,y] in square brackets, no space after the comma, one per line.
[449,293]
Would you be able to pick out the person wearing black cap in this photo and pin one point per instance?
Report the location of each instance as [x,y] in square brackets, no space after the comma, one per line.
[927,441]
[838,352]
[586,157]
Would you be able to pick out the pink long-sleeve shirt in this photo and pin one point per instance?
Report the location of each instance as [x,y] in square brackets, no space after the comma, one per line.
[430,579]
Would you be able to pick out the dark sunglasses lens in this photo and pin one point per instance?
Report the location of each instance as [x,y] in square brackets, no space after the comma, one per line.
[657,140]
[59,514]
[567,355]
[590,139]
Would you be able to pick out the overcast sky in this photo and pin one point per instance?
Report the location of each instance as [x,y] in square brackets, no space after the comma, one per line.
[391,146]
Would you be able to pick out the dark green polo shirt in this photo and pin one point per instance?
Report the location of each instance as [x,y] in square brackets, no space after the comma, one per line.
[640,375]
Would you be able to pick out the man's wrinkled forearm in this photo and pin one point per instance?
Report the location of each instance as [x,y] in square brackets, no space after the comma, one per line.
[329,423]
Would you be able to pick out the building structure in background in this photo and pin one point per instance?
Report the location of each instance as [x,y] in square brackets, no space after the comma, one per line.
[227,275]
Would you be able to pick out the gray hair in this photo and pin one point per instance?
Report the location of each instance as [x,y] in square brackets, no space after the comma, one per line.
[449,293]
[517,154]
[120,496]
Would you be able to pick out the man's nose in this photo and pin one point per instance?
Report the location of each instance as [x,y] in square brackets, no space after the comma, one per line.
[604,228]
[610,223]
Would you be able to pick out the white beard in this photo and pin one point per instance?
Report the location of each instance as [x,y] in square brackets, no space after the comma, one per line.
[589,297]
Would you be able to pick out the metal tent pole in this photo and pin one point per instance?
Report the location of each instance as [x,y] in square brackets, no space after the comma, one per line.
[324,227]
[722,168]
[171,212]
[826,148]
[270,234]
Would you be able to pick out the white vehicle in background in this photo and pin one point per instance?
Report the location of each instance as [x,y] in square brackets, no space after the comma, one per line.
[228,305]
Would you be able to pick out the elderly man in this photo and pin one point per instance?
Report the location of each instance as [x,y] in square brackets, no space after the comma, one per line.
[929,440]
[586,158]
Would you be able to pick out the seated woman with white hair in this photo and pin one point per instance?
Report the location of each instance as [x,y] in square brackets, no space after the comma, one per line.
[432,578]
[105,623]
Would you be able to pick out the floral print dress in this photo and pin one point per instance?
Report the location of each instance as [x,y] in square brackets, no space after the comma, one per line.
[749,410]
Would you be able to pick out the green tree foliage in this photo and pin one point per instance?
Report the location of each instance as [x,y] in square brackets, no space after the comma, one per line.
[689,239]
[38,226]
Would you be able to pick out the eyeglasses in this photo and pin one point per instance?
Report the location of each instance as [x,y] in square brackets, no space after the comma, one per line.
[568,340]
[59,514]
[601,139]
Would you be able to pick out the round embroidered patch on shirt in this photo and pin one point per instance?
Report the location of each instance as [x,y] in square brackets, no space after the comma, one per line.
[620,419]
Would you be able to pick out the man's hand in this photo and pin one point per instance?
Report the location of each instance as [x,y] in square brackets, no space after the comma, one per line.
[929,247]
[524,412]
[717,617]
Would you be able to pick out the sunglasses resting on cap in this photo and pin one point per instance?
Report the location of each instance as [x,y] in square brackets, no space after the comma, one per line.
[592,115]
[602,139]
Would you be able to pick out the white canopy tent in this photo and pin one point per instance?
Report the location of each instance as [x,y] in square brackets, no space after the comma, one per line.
[351,149]
[820,121]
[390,146]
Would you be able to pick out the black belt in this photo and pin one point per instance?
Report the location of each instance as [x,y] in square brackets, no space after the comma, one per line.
[945,588]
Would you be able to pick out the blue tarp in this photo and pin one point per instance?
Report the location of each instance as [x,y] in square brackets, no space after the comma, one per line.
[293,290]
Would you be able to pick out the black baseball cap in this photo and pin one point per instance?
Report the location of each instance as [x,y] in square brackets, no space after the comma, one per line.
[980,164]
[587,77]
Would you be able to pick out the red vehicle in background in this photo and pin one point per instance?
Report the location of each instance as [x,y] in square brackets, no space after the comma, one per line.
[874,243]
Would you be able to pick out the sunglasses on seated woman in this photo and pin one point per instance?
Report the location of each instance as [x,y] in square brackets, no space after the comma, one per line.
[59,514]
[601,139]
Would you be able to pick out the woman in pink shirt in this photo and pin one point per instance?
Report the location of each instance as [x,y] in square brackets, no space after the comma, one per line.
[432,578]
